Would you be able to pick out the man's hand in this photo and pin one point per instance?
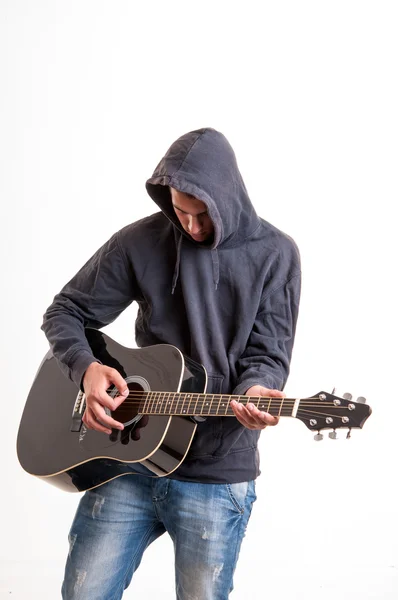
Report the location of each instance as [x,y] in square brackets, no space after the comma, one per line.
[249,415]
[97,379]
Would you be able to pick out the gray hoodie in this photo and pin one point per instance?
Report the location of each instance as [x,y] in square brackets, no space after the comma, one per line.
[230,304]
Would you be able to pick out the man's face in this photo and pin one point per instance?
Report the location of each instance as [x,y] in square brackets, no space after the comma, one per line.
[192,214]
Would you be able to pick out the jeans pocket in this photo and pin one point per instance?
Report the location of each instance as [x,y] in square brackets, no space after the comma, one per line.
[239,495]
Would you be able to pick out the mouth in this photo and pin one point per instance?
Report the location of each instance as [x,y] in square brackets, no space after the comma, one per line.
[198,236]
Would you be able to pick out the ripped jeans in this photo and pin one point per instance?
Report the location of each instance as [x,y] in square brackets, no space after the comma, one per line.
[117,521]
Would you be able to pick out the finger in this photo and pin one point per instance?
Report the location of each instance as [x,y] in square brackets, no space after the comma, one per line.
[269,419]
[125,435]
[261,417]
[136,434]
[114,435]
[104,399]
[91,422]
[119,382]
[276,394]
[242,414]
[253,416]
[98,410]
[243,421]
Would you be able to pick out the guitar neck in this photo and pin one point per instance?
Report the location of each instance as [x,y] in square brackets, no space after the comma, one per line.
[206,405]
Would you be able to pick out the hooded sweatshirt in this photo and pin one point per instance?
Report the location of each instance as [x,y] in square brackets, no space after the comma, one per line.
[230,303]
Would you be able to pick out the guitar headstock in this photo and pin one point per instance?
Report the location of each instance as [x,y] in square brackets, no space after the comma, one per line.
[328,411]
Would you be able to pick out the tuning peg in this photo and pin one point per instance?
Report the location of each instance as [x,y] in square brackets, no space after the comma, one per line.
[333,390]
[318,437]
[347,396]
[333,435]
[361,400]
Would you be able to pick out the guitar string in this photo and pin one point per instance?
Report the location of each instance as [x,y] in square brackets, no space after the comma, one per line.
[301,407]
[224,411]
[202,402]
[212,398]
[143,397]
[189,394]
[221,401]
[198,396]
[230,413]
[216,412]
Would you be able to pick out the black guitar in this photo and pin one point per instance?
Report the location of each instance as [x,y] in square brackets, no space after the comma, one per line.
[166,390]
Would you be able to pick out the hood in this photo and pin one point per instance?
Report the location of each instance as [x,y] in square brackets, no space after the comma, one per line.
[202,163]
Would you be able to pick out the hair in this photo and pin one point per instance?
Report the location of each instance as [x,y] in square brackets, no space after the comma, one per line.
[189,195]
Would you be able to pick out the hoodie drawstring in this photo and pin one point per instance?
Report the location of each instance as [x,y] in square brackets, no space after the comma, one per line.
[215,263]
[216,267]
[177,267]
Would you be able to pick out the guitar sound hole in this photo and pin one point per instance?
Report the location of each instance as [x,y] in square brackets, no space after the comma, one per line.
[129,411]
[129,414]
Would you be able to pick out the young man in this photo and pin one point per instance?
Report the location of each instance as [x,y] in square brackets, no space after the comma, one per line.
[223,285]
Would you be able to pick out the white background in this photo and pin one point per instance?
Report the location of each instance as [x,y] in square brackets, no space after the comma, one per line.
[92,95]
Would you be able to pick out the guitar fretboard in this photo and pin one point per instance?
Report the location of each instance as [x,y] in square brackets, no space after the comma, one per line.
[190,404]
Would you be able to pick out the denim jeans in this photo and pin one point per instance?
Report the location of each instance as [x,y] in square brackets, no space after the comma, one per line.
[117,521]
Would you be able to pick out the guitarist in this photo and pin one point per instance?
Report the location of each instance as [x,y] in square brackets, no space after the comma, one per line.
[220,283]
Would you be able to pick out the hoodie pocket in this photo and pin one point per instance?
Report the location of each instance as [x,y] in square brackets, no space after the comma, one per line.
[208,433]
[235,438]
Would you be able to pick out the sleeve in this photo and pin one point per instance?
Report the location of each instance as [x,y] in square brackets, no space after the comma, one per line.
[266,358]
[94,297]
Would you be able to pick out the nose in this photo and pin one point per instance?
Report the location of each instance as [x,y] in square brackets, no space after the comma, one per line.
[194,225]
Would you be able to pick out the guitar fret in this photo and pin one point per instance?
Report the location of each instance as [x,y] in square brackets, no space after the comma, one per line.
[191,399]
[196,404]
[191,408]
[161,400]
[174,403]
[144,409]
[185,410]
[281,406]
[180,404]
[152,402]
[155,403]
[165,402]
[227,405]
[169,403]
[218,406]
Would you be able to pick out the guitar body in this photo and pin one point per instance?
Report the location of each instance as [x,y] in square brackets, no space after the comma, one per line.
[60,449]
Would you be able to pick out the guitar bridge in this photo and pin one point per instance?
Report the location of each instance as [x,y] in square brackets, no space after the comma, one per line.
[77,413]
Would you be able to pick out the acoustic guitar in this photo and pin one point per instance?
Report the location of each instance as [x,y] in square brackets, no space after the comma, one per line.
[167,396]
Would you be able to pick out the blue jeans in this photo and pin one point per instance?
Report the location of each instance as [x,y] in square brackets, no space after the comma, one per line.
[117,521]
